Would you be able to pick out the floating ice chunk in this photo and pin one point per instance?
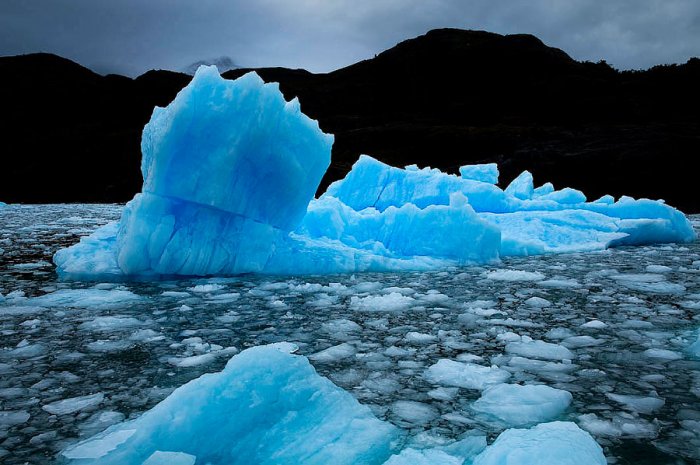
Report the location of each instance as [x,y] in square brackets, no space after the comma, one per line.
[266,407]
[514,275]
[99,446]
[383,303]
[619,426]
[442,393]
[540,366]
[576,342]
[658,269]
[430,450]
[465,375]
[416,413]
[341,326]
[13,418]
[594,324]
[86,298]
[522,405]
[205,288]
[538,302]
[650,282]
[487,172]
[74,404]
[560,283]
[334,353]
[539,349]
[415,337]
[556,443]
[639,404]
[109,346]
[25,350]
[662,354]
[110,323]
[521,187]
[559,333]
[101,420]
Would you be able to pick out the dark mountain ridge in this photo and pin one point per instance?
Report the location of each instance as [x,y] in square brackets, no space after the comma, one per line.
[444,99]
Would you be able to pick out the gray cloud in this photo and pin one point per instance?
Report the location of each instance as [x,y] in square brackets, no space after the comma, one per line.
[132,36]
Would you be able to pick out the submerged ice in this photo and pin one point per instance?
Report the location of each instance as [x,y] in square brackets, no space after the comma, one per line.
[230,170]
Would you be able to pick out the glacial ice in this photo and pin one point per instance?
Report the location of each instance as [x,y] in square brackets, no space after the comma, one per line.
[266,406]
[556,443]
[522,405]
[465,375]
[229,174]
[270,406]
[487,172]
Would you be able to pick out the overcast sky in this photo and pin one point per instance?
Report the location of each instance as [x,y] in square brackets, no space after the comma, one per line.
[132,36]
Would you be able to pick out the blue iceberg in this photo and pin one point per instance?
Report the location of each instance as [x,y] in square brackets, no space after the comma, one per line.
[266,407]
[230,170]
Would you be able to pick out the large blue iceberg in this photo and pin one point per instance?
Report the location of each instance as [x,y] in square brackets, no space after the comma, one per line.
[269,406]
[230,170]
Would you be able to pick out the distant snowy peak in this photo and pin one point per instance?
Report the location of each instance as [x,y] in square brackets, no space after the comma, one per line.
[223,63]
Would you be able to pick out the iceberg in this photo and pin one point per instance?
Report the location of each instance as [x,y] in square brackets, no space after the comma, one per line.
[267,406]
[230,170]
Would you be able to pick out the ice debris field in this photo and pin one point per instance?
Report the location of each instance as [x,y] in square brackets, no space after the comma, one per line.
[586,353]
[595,356]
[230,169]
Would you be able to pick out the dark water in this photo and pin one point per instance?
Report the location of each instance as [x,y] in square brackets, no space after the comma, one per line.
[118,349]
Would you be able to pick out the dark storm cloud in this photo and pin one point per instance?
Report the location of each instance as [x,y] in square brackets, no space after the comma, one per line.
[131,36]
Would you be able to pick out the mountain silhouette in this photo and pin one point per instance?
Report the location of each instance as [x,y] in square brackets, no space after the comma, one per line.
[444,99]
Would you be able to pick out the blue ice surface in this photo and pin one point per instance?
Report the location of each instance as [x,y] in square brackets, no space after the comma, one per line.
[269,406]
[555,443]
[487,172]
[230,169]
[522,405]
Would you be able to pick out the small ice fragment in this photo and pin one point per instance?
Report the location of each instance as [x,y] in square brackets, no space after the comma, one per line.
[416,413]
[74,404]
[465,375]
[385,303]
[639,404]
[538,302]
[13,418]
[521,405]
[514,275]
[334,353]
[594,324]
[99,446]
[415,337]
[540,349]
[663,354]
